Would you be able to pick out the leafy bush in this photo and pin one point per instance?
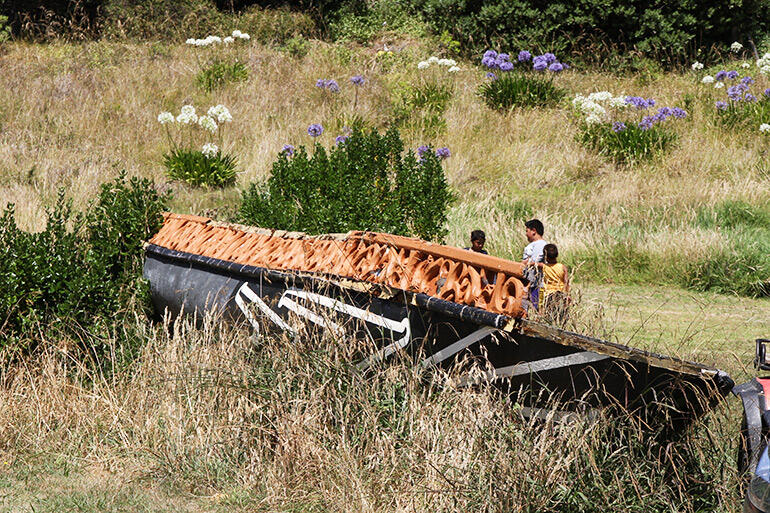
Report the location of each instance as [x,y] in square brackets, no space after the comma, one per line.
[171,19]
[196,168]
[362,21]
[364,183]
[665,30]
[297,47]
[82,269]
[422,106]
[220,73]
[633,144]
[514,90]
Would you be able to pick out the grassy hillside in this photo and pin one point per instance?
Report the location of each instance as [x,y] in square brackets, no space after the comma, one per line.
[206,420]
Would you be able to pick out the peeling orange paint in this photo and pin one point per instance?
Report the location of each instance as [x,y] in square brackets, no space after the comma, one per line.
[405,263]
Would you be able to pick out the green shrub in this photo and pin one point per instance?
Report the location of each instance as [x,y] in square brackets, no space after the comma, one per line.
[743,268]
[667,30]
[362,21]
[297,47]
[627,146]
[196,168]
[743,114]
[365,183]
[220,73]
[422,106]
[733,214]
[512,90]
[81,270]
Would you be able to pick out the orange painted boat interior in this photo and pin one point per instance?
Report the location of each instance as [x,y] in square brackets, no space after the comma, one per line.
[448,273]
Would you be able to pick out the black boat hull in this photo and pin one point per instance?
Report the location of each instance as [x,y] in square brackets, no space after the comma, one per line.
[543,363]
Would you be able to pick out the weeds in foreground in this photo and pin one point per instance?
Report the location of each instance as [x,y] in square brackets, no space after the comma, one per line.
[515,90]
[210,410]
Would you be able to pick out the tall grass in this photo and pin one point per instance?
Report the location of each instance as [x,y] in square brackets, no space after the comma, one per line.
[294,426]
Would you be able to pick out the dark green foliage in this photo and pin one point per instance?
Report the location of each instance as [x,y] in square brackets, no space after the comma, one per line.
[629,145]
[363,184]
[668,30]
[297,47]
[742,114]
[82,269]
[195,168]
[512,90]
[220,73]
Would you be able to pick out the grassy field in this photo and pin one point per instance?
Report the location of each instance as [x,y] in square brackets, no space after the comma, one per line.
[201,422]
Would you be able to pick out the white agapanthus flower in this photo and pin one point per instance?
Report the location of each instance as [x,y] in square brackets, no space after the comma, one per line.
[736,47]
[187,115]
[237,33]
[210,150]
[228,40]
[423,64]
[433,59]
[165,117]
[220,113]
[190,41]
[618,102]
[719,85]
[208,123]
[600,96]
[697,65]
[708,79]
[764,128]
[453,69]
[593,119]
[245,36]
[765,70]
[764,61]
[745,65]
[214,39]
[447,62]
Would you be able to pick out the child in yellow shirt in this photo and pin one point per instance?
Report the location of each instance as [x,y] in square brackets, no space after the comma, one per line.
[555,290]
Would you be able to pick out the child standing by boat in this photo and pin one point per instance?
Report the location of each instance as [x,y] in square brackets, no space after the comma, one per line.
[554,295]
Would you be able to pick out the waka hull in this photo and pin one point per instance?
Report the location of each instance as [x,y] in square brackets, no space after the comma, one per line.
[516,354]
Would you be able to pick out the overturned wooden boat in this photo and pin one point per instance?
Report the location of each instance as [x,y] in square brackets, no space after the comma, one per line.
[441,305]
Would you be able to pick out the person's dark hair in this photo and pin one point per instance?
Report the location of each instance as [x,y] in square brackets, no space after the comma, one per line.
[478,235]
[550,252]
[536,225]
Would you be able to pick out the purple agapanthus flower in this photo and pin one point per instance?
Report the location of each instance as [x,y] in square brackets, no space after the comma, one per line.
[422,150]
[732,75]
[721,105]
[767,92]
[492,76]
[489,62]
[357,80]
[618,126]
[491,54]
[678,113]
[502,57]
[646,123]
[524,56]
[539,65]
[288,149]
[315,130]
[556,67]
[549,57]
[734,93]
[748,97]
[506,66]
[321,82]
[443,153]
[639,102]
[340,139]
[720,76]
[333,86]
[747,80]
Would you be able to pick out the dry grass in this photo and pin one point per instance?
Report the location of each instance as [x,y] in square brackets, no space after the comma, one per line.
[291,426]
